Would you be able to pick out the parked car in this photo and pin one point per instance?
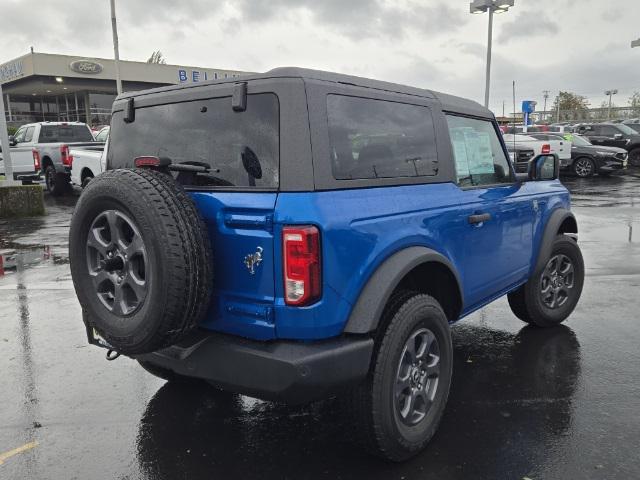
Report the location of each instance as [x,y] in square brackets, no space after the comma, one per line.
[557,146]
[521,156]
[316,236]
[635,124]
[589,159]
[614,135]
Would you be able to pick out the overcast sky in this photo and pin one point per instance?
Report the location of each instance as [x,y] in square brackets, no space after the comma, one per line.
[577,45]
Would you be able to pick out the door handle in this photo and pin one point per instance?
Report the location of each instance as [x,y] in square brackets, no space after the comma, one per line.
[479,218]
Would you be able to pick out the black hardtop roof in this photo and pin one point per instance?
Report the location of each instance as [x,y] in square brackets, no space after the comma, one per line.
[447,102]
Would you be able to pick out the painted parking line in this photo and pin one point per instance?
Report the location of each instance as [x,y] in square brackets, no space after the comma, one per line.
[27,446]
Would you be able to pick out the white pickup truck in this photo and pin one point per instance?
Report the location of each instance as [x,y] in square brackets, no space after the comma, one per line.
[87,163]
[561,148]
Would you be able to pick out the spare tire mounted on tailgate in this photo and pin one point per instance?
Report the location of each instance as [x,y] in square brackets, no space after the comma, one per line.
[140,260]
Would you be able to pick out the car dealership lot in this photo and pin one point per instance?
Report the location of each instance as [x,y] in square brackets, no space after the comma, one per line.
[557,403]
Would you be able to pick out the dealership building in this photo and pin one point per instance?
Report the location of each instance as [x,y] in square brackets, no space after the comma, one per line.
[46,87]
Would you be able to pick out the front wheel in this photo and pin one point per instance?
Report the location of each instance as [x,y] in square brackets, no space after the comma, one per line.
[551,294]
[584,167]
[396,411]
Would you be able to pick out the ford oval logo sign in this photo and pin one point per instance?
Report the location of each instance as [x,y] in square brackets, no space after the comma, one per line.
[85,66]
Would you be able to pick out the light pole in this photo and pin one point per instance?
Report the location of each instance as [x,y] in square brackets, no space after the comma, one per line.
[545,94]
[116,50]
[610,93]
[491,6]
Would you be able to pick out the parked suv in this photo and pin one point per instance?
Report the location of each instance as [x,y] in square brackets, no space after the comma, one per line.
[300,234]
[614,135]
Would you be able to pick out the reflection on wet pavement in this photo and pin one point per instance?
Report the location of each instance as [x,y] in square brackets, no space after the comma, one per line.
[542,404]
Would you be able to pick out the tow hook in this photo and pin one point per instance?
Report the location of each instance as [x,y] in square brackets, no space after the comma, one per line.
[112,355]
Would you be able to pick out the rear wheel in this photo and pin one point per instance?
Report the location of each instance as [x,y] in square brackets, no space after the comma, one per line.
[551,294]
[584,167]
[86,180]
[396,411]
[57,183]
[634,157]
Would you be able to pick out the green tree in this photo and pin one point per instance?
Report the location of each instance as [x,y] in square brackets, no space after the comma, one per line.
[156,57]
[571,101]
[634,103]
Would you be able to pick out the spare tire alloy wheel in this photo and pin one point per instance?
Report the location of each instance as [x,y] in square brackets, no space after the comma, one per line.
[117,262]
[140,260]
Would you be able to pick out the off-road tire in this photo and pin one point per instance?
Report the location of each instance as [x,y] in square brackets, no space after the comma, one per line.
[178,259]
[57,183]
[526,302]
[370,406]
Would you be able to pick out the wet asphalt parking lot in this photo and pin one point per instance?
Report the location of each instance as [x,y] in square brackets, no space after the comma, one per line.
[525,403]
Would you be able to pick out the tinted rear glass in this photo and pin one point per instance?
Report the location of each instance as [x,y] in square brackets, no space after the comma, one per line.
[241,148]
[380,139]
[65,133]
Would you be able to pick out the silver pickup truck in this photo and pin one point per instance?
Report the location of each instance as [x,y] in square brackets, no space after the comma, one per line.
[43,148]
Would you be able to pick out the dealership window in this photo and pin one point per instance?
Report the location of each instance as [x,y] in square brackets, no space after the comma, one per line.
[380,139]
[477,151]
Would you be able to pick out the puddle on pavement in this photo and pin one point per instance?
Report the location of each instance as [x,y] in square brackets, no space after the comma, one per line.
[13,261]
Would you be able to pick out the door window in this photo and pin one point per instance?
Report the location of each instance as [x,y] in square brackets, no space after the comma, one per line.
[608,131]
[19,136]
[478,153]
[28,136]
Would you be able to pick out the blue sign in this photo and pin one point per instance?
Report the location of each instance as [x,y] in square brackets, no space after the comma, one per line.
[528,106]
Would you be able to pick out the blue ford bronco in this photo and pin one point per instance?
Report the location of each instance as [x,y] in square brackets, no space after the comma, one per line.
[299,234]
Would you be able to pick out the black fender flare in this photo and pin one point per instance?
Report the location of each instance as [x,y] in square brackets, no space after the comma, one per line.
[367,311]
[551,231]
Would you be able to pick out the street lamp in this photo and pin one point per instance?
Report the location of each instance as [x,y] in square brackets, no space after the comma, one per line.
[491,6]
[610,93]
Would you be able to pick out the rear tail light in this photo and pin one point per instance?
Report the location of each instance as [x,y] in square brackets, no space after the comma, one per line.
[301,258]
[67,160]
[146,161]
[546,148]
[37,165]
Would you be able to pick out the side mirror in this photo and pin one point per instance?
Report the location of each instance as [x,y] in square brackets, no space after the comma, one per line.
[545,167]
[12,141]
[618,136]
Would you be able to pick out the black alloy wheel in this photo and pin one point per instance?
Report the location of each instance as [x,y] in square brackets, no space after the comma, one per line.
[117,262]
[557,281]
[584,167]
[417,377]
[634,157]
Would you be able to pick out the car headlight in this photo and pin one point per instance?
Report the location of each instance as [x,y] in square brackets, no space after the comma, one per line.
[604,154]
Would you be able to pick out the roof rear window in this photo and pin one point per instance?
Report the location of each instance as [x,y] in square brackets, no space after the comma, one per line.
[241,149]
[64,134]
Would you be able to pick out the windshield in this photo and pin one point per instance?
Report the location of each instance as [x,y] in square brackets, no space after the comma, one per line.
[626,130]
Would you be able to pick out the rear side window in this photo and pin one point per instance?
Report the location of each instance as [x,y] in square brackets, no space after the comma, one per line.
[241,148]
[380,139]
[478,154]
[64,133]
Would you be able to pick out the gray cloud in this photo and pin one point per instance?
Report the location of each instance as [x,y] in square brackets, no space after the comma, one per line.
[361,19]
[530,23]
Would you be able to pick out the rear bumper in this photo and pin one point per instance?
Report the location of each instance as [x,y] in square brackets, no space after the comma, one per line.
[293,372]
